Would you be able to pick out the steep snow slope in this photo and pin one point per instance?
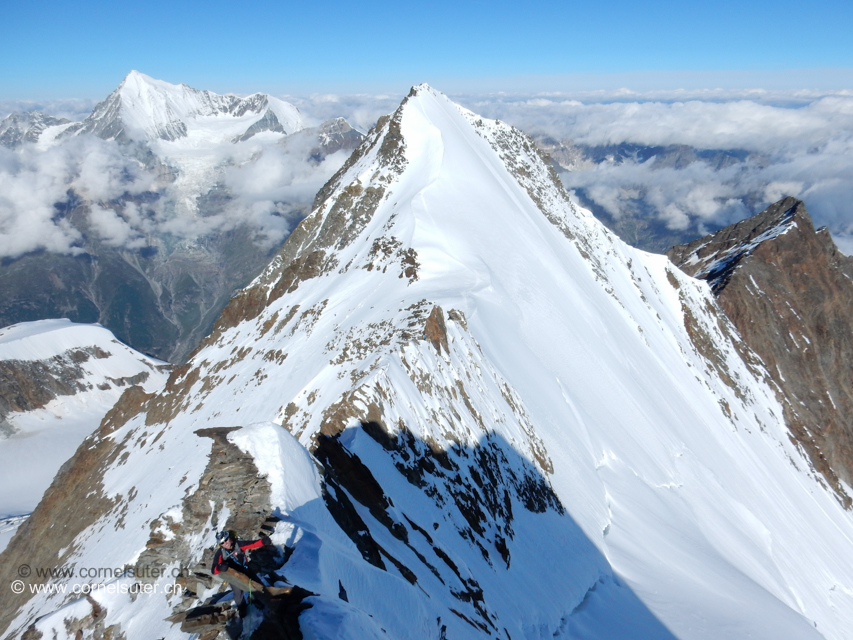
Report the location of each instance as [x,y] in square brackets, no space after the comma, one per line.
[57,381]
[523,427]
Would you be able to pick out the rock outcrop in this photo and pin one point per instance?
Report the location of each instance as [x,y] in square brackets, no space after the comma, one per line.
[789,291]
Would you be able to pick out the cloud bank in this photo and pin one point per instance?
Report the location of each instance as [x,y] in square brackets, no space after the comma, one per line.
[73,109]
[794,142]
[36,188]
[265,185]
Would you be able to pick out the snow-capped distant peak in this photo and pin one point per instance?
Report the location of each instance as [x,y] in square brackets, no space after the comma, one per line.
[143,108]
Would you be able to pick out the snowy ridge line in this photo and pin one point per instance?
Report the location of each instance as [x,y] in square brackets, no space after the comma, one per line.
[714,270]
[717,271]
[45,339]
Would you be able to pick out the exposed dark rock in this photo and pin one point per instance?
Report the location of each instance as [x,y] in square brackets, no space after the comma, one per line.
[479,482]
[789,292]
[351,473]
[230,480]
[436,331]
[269,122]
[217,619]
[26,385]
[310,250]
[319,142]
[345,475]
[347,518]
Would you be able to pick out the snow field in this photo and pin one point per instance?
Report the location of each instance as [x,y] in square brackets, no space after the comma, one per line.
[45,438]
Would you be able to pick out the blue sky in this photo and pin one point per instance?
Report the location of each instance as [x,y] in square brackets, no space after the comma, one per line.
[84,48]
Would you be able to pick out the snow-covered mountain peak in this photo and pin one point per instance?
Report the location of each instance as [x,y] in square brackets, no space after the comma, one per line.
[431,144]
[524,427]
[137,82]
[423,87]
[143,108]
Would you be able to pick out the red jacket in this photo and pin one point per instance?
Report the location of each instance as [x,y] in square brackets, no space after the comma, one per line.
[236,557]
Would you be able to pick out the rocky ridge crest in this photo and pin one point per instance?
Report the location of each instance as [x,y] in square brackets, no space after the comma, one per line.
[789,292]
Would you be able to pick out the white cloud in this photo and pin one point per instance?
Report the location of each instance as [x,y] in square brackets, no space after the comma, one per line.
[269,186]
[360,110]
[28,219]
[35,186]
[278,184]
[802,141]
[113,229]
[72,109]
[736,123]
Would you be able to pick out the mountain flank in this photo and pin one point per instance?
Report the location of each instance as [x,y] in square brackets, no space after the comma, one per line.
[789,292]
[57,381]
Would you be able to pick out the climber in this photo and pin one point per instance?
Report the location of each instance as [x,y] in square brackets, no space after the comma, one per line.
[231,564]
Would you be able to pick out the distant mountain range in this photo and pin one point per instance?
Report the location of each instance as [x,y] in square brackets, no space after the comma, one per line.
[194,241]
[196,237]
